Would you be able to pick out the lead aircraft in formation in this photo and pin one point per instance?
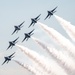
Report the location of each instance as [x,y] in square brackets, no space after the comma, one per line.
[50,13]
[34,20]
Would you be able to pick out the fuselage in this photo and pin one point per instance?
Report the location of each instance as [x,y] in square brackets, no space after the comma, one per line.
[27,35]
[17,28]
[12,43]
[34,21]
[50,13]
[7,58]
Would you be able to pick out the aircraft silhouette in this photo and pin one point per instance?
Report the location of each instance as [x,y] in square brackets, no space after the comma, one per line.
[34,20]
[8,58]
[12,43]
[50,13]
[28,35]
[17,28]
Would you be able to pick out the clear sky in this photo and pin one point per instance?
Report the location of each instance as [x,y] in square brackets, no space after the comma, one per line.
[16,11]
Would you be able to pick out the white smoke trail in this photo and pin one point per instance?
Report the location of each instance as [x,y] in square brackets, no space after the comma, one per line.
[69,28]
[49,67]
[28,67]
[63,59]
[61,40]
[35,57]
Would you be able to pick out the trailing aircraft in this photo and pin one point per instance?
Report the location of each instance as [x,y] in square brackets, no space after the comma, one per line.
[12,43]
[28,35]
[17,28]
[8,58]
[34,20]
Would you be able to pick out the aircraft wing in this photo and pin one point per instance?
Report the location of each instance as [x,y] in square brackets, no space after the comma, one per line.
[31,24]
[9,46]
[24,38]
[37,17]
[31,31]
[11,55]
[7,61]
[27,39]
[46,17]
[14,31]
[15,39]
[53,9]
[4,62]
[21,23]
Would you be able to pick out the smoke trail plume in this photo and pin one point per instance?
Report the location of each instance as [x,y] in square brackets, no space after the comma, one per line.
[63,59]
[69,28]
[61,40]
[28,67]
[35,57]
[47,66]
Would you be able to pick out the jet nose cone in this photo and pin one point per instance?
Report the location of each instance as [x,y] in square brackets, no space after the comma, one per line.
[5,57]
[48,11]
[24,33]
[9,41]
[14,26]
[31,18]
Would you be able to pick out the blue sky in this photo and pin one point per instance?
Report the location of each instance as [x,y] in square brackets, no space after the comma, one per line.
[16,11]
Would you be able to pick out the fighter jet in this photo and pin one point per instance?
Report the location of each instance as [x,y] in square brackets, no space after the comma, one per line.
[34,20]
[28,35]
[17,28]
[50,13]
[8,58]
[12,43]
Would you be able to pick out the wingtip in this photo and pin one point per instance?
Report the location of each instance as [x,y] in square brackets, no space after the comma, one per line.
[1,64]
[17,37]
[40,14]
[29,26]
[14,52]
[6,49]
[22,41]
[12,34]
[23,21]
[45,19]
[33,29]
[56,6]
